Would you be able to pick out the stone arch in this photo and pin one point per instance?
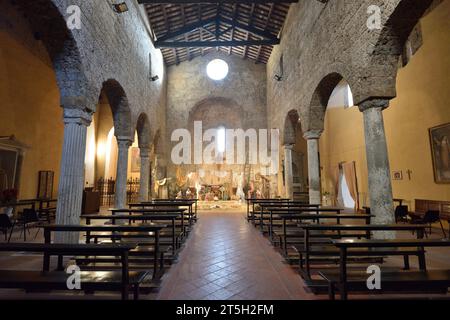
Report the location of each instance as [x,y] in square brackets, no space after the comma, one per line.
[120,108]
[290,127]
[143,131]
[324,85]
[217,111]
[49,25]
[399,17]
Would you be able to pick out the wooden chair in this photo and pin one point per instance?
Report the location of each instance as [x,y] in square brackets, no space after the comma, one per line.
[5,225]
[401,214]
[430,217]
[29,218]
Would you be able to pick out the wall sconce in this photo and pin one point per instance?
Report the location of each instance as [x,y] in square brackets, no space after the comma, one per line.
[279,76]
[120,7]
[154,78]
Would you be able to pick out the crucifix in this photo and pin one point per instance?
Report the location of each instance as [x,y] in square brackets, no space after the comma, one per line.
[409,172]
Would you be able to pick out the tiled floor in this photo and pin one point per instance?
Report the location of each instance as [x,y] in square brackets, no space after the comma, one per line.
[224,257]
[227,258]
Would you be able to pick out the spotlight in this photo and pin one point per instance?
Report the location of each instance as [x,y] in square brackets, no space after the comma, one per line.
[120,7]
[154,78]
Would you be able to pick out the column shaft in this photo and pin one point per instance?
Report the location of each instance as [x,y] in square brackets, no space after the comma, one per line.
[122,172]
[145,175]
[380,187]
[314,171]
[71,178]
[288,172]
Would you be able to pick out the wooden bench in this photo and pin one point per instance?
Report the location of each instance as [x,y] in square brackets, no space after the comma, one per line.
[192,217]
[423,280]
[145,211]
[151,230]
[47,280]
[194,201]
[308,250]
[302,217]
[252,202]
[175,236]
[288,207]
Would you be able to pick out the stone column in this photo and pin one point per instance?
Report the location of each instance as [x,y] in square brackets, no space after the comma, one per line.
[145,174]
[123,144]
[380,188]
[288,174]
[312,138]
[160,171]
[71,178]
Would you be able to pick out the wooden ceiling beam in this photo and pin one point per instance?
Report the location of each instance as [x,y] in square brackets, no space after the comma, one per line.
[213,1]
[186,29]
[249,28]
[206,44]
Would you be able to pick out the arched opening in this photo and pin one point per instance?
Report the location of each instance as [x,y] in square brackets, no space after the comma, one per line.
[111,121]
[35,46]
[293,137]
[331,110]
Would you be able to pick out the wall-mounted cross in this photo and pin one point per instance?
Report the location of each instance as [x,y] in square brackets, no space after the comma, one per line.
[409,172]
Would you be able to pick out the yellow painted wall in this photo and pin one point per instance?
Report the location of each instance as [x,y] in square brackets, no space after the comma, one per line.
[422,102]
[29,107]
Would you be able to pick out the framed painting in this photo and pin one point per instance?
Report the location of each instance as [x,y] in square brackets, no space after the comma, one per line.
[397,175]
[135,160]
[440,150]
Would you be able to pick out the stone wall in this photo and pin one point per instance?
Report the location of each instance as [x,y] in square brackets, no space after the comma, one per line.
[322,43]
[238,101]
[117,46]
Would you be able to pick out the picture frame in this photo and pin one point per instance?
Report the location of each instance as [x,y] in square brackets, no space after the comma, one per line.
[135,160]
[397,175]
[440,152]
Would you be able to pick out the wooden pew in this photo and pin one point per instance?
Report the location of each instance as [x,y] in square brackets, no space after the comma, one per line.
[302,217]
[194,200]
[266,213]
[57,280]
[252,202]
[423,280]
[175,236]
[144,211]
[270,211]
[143,208]
[329,251]
[151,229]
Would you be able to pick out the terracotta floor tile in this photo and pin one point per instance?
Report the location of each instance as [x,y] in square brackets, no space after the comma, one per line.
[230,259]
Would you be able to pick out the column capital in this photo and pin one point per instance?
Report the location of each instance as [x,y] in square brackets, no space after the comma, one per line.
[312,134]
[124,141]
[374,103]
[288,146]
[77,116]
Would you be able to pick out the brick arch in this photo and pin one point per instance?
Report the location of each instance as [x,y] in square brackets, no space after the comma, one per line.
[120,108]
[49,25]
